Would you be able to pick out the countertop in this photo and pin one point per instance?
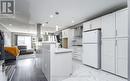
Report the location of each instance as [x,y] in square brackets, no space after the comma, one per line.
[62,50]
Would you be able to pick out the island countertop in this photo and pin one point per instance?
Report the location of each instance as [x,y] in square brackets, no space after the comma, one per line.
[62,50]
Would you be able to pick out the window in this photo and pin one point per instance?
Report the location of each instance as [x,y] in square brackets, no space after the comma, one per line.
[24,40]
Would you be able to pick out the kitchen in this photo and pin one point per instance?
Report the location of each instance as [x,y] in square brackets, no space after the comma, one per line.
[80,49]
[100,43]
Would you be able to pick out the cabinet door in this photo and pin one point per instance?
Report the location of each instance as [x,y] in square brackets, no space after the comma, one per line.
[84,37]
[65,33]
[96,23]
[122,57]
[108,26]
[108,55]
[122,23]
[86,26]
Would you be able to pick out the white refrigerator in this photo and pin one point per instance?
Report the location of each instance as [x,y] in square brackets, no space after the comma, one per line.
[92,48]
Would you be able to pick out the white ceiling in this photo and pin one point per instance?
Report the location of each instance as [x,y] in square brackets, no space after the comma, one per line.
[77,10]
[30,12]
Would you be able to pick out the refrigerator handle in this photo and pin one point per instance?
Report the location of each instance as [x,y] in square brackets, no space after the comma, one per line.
[90,26]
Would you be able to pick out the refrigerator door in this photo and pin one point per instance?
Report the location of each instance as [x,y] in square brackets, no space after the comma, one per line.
[91,55]
[91,37]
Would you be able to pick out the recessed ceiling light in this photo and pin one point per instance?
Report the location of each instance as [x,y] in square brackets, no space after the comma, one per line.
[46,22]
[43,24]
[72,21]
[57,26]
[10,24]
[51,16]
[57,13]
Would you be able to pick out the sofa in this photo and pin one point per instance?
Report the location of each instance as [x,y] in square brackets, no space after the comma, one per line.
[8,56]
[24,50]
[11,53]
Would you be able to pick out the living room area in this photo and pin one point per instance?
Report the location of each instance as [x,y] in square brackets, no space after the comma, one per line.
[18,46]
[22,43]
[26,43]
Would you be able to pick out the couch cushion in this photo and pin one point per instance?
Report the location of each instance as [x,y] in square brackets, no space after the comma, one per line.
[12,50]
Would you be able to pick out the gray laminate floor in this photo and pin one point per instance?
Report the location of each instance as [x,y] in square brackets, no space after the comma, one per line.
[26,70]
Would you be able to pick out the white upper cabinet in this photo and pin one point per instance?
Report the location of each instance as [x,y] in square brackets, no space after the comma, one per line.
[96,23]
[86,26]
[122,57]
[65,33]
[122,23]
[93,24]
[115,24]
[108,26]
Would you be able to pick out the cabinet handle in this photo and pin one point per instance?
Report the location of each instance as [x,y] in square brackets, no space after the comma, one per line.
[90,26]
[116,43]
[116,32]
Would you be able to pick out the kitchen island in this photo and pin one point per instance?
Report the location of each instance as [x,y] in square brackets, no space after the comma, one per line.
[56,63]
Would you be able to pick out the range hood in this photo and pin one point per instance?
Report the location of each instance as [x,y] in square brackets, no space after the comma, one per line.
[39,38]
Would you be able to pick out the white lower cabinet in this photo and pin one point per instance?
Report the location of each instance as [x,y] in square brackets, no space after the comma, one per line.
[56,62]
[77,52]
[122,57]
[115,56]
[108,55]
